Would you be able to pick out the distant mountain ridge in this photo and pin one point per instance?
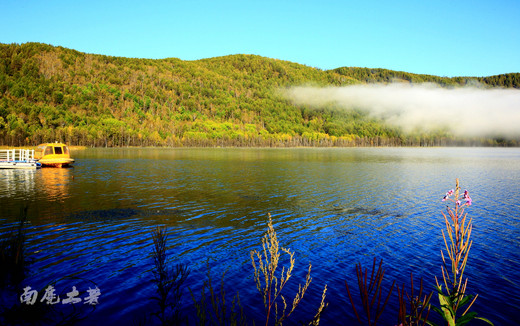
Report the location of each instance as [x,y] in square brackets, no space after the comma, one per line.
[50,93]
[378,75]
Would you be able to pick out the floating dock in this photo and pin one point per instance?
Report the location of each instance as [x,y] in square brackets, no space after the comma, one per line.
[18,159]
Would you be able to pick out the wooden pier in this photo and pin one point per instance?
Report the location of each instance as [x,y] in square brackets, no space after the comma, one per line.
[18,159]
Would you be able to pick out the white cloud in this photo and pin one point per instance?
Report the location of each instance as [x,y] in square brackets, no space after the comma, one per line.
[469,111]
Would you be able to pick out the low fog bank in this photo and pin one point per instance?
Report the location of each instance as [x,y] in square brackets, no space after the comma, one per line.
[466,111]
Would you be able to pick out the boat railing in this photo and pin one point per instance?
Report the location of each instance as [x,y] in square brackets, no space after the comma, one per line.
[21,155]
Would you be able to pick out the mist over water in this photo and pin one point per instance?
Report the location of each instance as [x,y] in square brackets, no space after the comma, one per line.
[465,111]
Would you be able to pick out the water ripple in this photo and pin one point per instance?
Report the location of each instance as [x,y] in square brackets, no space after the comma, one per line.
[334,208]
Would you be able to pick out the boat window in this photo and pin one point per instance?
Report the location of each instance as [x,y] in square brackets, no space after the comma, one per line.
[58,150]
[48,151]
[66,150]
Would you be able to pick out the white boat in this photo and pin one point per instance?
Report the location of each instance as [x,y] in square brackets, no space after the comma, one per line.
[18,159]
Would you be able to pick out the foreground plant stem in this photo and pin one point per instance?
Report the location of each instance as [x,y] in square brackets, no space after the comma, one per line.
[169,281]
[458,231]
[369,292]
[270,284]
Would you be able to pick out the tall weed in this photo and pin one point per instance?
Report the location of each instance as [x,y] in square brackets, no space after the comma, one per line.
[13,261]
[457,241]
[168,281]
[270,282]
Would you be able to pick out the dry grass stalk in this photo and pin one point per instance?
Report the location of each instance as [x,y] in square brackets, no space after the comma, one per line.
[419,305]
[270,283]
[219,313]
[13,261]
[168,281]
[369,293]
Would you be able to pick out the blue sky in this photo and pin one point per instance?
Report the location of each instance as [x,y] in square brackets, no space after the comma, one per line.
[444,38]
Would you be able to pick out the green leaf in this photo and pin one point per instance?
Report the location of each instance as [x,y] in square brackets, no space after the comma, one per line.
[465,300]
[447,311]
[437,310]
[463,320]
[485,319]
[431,323]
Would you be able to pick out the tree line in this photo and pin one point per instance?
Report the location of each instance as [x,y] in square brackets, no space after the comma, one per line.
[52,93]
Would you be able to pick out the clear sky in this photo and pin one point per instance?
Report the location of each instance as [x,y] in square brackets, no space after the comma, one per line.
[443,37]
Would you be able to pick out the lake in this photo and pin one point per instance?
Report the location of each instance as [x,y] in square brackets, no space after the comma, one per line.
[91,225]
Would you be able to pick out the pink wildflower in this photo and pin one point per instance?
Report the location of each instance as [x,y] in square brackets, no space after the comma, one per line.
[467,198]
[448,194]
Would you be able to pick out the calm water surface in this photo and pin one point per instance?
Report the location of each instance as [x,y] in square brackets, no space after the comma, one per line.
[91,225]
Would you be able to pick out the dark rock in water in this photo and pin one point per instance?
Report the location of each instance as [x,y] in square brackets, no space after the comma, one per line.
[366,211]
[249,197]
[115,213]
[159,212]
[124,213]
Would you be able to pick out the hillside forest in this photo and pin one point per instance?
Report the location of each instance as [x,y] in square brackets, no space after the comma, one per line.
[50,93]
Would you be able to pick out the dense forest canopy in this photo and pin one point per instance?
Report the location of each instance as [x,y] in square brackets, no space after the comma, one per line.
[52,93]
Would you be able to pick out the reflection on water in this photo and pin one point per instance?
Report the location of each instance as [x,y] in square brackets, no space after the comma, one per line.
[40,190]
[56,182]
[16,182]
[333,207]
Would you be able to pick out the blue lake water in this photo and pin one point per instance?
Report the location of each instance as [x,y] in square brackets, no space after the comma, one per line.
[91,225]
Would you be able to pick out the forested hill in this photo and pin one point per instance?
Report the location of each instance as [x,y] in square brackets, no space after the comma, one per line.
[52,93]
[368,75]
